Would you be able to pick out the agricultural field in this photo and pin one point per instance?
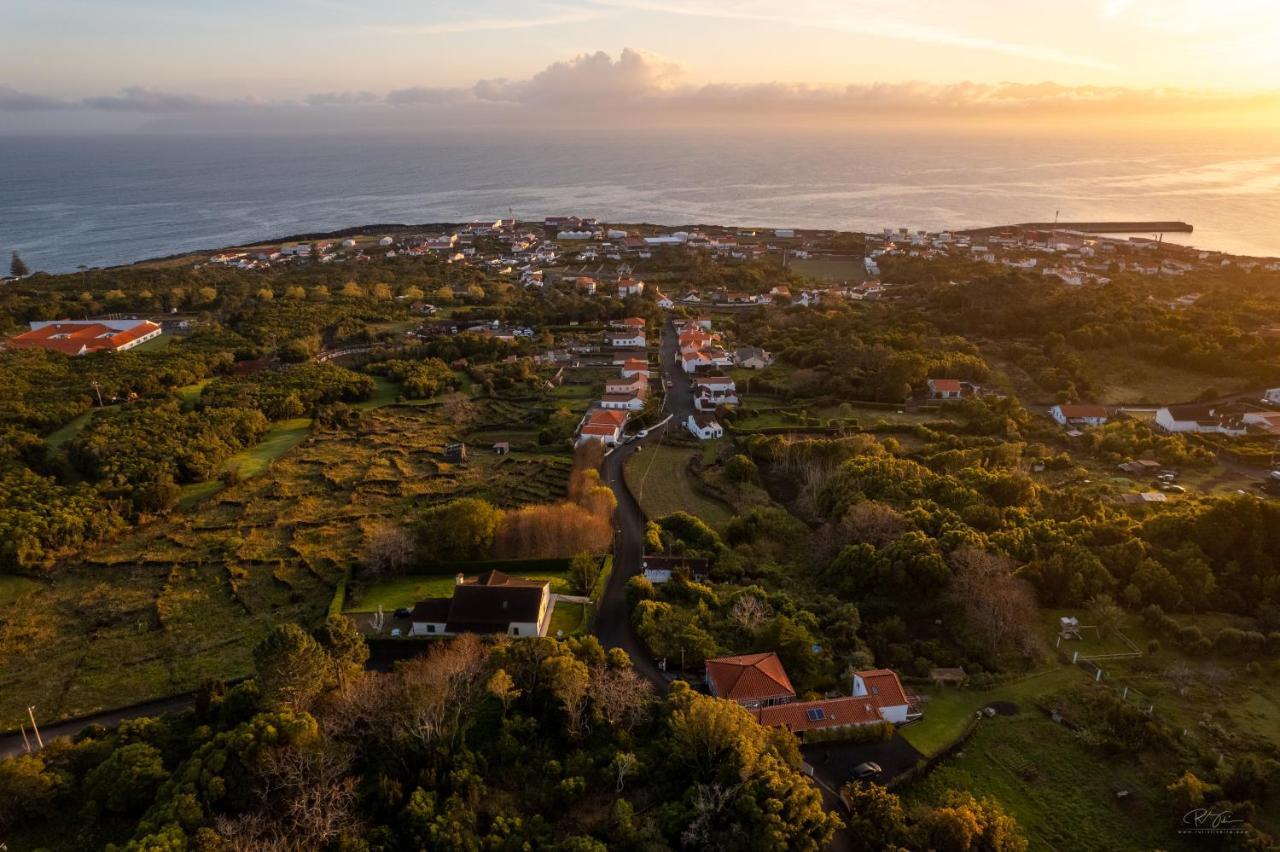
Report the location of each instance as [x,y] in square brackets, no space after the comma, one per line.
[1061,791]
[850,270]
[168,605]
[1127,379]
[660,480]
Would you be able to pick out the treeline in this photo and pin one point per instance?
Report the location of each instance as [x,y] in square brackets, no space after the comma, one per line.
[533,744]
[287,392]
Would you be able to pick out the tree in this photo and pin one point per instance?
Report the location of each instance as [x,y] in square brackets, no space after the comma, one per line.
[27,789]
[624,764]
[459,530]
[876,819]
[569,681]
[749,612]
[998,608]
[292,668]
[1107,613]
[388,550]
[966,824]
[584,569]
[343,642]
[503,688]
[126,782]
[17,267]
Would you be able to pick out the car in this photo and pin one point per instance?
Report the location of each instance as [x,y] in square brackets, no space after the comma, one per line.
[1170,488]
[643,433]
[865,771]
[396,633]
[404,612]
[1167,477]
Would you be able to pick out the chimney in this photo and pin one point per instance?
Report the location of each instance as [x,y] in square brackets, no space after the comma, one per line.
[459,579]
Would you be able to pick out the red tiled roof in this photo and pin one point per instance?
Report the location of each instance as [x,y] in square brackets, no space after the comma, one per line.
[945,384]
[883,688]
[74,337]
[1082,410]
[607,417]
[801,716]
[749,677]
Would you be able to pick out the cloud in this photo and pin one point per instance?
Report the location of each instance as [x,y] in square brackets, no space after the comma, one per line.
[139,99]
[587,79]
[642,87]
[323,99]
[425,96]
[11,100]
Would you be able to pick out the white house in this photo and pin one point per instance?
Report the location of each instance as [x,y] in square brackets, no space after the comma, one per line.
[490,603]
[1272,396]
[1079,415]
[664,301]
[710,391]
[944,389]
[752,358]
[1199,418]
[704,427]
[630,287]
[635,367]
[622,401]
[604,425]
[627,339]
[884,691]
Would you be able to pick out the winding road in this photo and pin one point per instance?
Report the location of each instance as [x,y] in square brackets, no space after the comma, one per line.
[613,620]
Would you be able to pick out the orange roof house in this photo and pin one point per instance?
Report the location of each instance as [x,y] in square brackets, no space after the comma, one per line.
[81,338]
[802,716]
[752,680]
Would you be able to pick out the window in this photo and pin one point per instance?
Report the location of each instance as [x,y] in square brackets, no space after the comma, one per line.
[431,628]
[875,690]
[814,714]
[515,631]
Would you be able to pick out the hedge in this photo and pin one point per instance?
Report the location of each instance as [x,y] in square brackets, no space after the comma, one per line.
[507,566]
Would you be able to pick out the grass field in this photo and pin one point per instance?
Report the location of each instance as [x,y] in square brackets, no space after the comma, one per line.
[851,270]
[948,710]
[155,344]
[660,480]
[1129,380]
[279,439]
[406,591]
[190,394]
[73,427]
[567,617]
[1061,791]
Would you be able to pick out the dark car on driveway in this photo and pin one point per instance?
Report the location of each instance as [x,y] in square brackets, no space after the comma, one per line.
[404,612]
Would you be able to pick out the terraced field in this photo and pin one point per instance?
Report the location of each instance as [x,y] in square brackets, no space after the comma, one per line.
[161,609]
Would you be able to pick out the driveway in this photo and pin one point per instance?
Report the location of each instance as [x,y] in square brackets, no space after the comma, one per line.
[833,763]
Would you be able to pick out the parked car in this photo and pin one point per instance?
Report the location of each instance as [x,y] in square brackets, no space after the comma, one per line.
[396,633]
[404,612]
[865,771]
[1173,489]
[644,433]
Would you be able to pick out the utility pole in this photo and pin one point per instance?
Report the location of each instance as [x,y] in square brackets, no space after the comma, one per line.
[31,712]
[25,742]
[98,390]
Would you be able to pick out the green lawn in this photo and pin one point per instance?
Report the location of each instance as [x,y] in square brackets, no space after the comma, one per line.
[55,440]
[190,394]
[948,709]
[1129,380]
[385,392]
[568,617]
[406,591]
[1060,790]
[660,480]
[852,269]
[155,344]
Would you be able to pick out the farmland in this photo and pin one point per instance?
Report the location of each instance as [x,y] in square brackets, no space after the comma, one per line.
[661,480]
[168,605]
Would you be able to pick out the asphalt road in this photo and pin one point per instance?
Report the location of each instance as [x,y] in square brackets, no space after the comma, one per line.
[613,620]
[11,745]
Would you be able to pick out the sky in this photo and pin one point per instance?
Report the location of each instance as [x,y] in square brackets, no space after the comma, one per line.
[120,64]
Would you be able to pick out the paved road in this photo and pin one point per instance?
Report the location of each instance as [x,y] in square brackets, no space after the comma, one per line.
[12,745]
[613,620]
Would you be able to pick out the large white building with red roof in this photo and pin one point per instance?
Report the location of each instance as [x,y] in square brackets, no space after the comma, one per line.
[81,338]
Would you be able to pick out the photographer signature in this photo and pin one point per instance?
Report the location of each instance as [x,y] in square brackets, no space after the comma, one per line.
[1207,819]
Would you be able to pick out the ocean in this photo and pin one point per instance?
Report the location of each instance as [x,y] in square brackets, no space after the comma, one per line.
[74,201]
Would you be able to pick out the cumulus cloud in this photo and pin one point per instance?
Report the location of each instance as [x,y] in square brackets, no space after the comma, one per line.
[12,100]
[589,78]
